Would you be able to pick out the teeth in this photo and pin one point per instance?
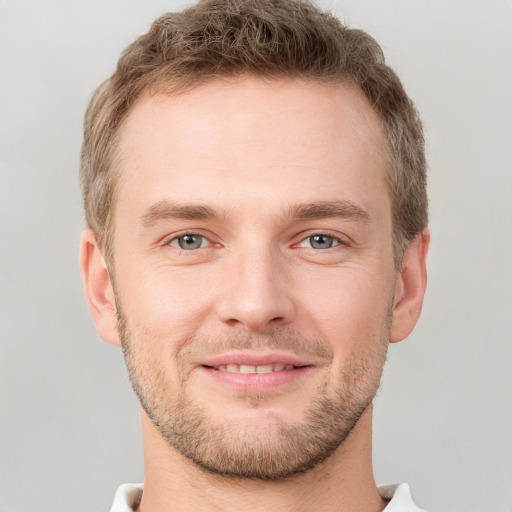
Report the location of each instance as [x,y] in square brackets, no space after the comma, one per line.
[247,368]
[264,368]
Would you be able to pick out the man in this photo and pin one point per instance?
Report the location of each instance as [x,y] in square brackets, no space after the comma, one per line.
[254,186]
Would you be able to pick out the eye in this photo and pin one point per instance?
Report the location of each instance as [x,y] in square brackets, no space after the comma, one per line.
[319,241]
[189,242]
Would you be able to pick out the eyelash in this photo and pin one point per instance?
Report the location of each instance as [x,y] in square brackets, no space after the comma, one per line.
[168,241]
[337,241]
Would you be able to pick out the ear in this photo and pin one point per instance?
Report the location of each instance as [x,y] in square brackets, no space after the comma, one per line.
[98,288]
[410,287]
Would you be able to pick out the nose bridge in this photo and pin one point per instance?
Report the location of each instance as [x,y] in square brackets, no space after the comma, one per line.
[255,295]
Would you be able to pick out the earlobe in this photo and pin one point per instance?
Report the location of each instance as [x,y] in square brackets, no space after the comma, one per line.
[98,288]
[410,288]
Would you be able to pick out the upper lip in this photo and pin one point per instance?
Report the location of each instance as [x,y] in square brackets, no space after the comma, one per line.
[255,359]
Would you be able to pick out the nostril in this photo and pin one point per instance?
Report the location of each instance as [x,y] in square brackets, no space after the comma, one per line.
[255,314]
[233,321]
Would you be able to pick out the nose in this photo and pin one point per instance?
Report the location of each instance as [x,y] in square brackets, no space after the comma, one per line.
[255,293]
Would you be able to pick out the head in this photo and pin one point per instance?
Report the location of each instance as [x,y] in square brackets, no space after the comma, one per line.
[254,177]
[262,38]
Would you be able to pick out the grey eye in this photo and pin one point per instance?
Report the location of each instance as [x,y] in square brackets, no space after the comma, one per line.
[321,241]
[188,242]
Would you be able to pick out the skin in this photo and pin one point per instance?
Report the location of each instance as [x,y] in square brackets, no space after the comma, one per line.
[252,152]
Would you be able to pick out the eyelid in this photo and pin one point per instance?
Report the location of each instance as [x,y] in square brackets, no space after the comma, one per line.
[336,243]
[166,241]
[337,237]
[205,243]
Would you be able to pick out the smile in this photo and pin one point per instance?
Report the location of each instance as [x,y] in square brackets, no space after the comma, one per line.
[247,368]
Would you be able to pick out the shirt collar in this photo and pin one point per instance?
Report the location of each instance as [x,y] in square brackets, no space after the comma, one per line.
[128,497]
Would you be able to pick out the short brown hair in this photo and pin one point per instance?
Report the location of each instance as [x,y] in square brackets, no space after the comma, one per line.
[270,38]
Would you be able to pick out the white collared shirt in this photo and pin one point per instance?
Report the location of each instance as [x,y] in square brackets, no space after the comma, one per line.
[128,497]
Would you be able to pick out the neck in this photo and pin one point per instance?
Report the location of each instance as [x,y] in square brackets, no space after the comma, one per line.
[343,482]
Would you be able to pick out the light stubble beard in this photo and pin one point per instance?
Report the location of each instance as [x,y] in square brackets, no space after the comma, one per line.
[248,451]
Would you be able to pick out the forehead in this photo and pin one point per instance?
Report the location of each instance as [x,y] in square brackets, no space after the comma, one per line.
[251,140]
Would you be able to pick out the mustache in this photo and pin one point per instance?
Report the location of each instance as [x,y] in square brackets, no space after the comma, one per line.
[308,348]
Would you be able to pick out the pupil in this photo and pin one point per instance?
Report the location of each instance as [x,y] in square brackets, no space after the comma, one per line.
[190,241]
[321,242]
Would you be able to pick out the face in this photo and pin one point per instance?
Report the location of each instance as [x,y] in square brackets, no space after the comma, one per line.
[254,272]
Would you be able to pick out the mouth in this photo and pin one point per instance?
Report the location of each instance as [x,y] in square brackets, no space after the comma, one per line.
[249,368]
[255,372]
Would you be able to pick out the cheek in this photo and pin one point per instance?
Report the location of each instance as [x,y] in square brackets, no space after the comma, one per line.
[164,305]
[160,316]
[348,308]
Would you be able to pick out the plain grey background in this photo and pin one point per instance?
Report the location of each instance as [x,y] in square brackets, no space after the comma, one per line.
[69,421]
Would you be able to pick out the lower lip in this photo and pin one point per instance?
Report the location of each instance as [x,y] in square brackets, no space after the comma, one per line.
[257,382]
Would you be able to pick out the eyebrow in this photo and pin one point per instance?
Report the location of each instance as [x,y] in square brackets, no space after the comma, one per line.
[166,210]
[326,209]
